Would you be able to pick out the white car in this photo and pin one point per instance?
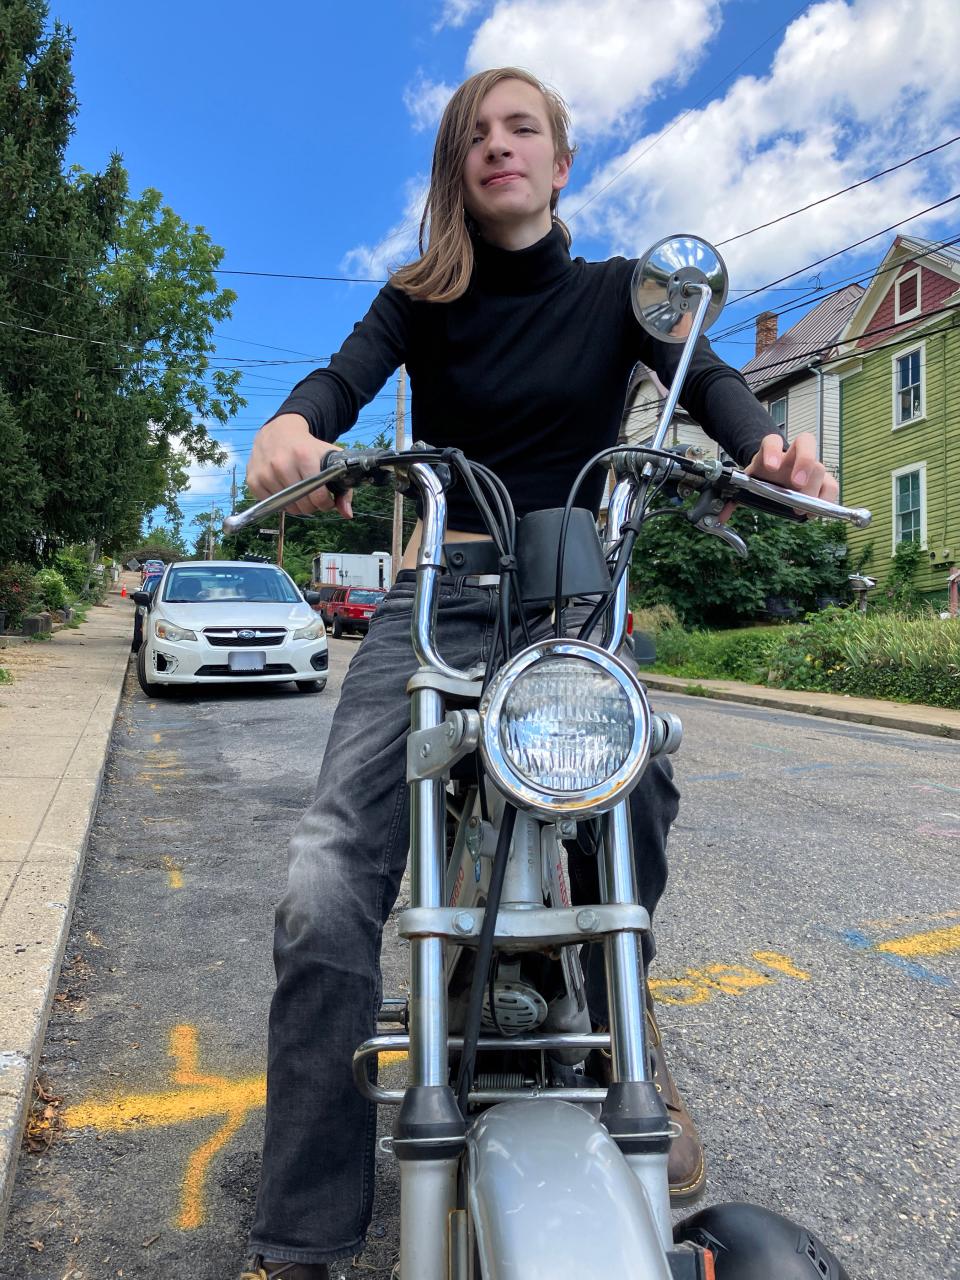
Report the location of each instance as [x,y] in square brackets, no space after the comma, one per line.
[220,621]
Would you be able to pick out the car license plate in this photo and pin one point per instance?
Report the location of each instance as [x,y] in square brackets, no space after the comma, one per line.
[247,660]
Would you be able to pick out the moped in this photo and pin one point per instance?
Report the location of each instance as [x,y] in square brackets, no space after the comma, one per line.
[516,1161]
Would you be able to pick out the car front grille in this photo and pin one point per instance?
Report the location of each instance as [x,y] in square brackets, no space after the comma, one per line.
[270,669]
[228,638]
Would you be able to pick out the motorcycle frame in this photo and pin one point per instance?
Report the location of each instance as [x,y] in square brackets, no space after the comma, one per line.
[430,1139]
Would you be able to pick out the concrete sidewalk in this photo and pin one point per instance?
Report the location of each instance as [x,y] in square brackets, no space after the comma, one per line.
[915,718]
[56,720]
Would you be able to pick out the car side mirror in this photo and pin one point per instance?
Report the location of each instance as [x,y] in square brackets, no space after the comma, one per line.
[312,597]
[141,597]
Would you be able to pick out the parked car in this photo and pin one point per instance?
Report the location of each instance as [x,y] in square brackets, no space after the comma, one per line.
[351,608]
[323,593]
[149,568]
[149,585]
[216,621]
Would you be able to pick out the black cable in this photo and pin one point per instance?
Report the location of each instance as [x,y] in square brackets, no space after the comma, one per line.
[483,959]
[921,155]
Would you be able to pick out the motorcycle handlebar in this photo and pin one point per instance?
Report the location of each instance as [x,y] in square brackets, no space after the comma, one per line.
[731,484]
[339,472]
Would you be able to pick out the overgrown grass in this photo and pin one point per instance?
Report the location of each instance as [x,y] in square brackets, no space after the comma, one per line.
[888,655]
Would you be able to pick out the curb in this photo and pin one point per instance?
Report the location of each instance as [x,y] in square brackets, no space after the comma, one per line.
[38,916]
[804,705]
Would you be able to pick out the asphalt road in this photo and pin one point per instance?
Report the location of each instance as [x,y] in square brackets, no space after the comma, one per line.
[808,978]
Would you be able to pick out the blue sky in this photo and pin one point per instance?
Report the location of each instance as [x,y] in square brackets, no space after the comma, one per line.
[299,135]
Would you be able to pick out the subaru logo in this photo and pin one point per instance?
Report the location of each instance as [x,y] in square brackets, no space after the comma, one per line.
[246,635]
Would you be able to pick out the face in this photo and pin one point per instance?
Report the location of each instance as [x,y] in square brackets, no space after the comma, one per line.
[511,170]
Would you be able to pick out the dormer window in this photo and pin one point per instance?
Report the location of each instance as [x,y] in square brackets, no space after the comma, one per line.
[907,296]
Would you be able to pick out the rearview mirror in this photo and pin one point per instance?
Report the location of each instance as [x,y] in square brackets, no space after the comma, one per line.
[666,286]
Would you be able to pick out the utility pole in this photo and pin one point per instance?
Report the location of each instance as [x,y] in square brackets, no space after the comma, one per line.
[213,508]
[283,523]
[396,544]
[233,492]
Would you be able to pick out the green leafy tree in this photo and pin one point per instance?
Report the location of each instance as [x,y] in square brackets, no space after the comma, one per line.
[107,309]
[707,585]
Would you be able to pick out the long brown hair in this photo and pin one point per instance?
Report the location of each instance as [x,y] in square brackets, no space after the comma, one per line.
[442,272]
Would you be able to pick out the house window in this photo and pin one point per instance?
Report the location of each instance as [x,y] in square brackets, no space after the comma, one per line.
[908,387]
[907,296]
[778,412]
[909,505]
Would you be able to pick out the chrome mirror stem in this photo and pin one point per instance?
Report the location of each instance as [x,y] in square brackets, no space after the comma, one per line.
[696,328]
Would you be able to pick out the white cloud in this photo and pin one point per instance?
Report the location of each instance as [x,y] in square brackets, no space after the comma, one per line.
[399,245]
[456,12]
[425,100]
[853,88]
[608,59]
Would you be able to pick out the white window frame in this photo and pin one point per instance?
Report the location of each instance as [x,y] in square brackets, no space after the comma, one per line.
[898,314]
[786,410]
[894,477]
[899,355]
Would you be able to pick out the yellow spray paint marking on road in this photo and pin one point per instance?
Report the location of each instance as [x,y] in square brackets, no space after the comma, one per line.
[198,1096]
[174,872]
[935,942]
[160,764]
[697,986]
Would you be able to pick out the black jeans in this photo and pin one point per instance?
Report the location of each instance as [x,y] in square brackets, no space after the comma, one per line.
[347,858]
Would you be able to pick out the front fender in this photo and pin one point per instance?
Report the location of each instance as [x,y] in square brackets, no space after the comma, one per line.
[551,1197]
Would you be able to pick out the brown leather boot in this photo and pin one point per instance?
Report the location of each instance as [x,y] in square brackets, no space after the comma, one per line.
[259,1268]
[686,1168]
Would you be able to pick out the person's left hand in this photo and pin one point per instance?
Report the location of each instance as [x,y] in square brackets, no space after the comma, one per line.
[796,467]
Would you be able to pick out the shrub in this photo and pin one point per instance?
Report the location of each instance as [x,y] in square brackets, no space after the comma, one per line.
[51,589]
[744,654]
[883,655]
[17,589]
[73,568]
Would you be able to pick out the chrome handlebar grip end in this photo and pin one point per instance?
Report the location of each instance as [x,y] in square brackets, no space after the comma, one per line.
[666,733]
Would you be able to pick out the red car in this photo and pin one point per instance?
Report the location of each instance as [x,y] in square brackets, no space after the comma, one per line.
[351,608]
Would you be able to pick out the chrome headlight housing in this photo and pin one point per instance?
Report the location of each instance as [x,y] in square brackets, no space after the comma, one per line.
[565,729]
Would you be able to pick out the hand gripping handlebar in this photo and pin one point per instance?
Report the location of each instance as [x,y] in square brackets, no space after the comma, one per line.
[341,470]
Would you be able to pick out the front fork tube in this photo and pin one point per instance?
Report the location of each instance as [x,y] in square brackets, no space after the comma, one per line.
[633,1112]
[428,1003]
[428,1138]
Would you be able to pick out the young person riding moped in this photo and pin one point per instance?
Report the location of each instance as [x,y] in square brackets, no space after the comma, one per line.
[519,355]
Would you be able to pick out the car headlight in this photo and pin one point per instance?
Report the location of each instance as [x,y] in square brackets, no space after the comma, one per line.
[566,729]
[165,630]
[312,632]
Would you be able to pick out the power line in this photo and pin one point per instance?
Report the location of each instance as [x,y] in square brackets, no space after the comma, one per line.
[856,245]
[834,286]
[833,195]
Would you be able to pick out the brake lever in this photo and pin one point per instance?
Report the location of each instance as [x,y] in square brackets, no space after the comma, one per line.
[705,516]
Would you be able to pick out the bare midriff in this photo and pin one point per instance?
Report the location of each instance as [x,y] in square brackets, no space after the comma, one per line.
[409,560]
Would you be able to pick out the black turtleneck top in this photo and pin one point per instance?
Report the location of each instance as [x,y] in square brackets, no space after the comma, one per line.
[526,373]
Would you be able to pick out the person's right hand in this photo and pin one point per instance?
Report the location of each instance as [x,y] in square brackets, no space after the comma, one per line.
[284,452]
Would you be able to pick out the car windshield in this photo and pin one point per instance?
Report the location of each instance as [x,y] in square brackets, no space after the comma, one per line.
[256,584]
[366,597]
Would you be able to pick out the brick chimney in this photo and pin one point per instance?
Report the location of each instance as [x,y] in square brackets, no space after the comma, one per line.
[766,331]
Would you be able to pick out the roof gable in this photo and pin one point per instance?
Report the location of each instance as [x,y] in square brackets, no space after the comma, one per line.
[939,279]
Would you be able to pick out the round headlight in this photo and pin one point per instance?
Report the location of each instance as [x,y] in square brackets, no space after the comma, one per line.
[566,728]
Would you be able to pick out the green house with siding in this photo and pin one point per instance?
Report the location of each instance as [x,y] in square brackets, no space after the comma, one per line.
[899,370]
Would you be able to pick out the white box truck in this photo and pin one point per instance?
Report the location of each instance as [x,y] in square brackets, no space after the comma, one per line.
[344,569]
